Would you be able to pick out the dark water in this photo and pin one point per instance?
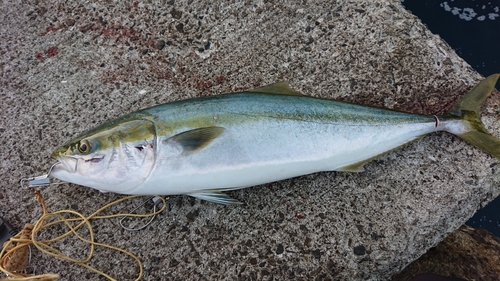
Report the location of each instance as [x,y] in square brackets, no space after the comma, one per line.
[472,28]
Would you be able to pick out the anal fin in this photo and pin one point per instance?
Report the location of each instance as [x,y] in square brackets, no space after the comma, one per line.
[216,197]
[356,167]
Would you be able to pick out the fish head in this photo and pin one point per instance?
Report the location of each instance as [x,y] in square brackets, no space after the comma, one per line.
[116,157]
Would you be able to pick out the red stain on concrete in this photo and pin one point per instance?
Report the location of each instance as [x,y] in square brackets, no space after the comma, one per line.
[52,51]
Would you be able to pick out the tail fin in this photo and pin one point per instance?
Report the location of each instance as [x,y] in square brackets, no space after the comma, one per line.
[469,108]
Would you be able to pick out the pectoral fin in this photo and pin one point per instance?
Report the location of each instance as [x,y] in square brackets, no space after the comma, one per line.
[193,140]
[216,197]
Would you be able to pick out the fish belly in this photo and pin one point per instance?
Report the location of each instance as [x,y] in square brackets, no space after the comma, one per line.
[264,151]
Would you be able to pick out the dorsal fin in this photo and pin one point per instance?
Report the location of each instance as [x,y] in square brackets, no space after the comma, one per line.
[281,88]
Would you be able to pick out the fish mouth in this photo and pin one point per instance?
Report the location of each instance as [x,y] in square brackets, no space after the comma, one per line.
[65,163]
[70,164]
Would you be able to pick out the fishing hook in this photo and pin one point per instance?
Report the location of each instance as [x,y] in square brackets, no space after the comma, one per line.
[38,181]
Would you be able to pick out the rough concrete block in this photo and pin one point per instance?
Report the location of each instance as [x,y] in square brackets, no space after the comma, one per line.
[69,66]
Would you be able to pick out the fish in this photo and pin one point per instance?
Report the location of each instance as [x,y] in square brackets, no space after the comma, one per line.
[204,146]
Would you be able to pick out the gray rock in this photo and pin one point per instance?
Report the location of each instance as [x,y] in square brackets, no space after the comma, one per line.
[71,66]
[467,253]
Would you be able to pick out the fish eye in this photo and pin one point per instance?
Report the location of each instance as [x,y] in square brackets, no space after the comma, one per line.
[84,146]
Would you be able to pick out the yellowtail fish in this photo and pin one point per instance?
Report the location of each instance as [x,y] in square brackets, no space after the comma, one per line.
[203,146]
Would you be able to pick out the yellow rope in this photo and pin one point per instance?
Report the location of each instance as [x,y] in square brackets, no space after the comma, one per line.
[16,248]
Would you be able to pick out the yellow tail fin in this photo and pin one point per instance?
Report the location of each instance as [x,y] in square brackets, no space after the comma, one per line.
[469,108]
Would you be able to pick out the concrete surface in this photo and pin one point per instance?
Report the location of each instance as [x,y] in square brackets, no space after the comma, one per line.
[68,66]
